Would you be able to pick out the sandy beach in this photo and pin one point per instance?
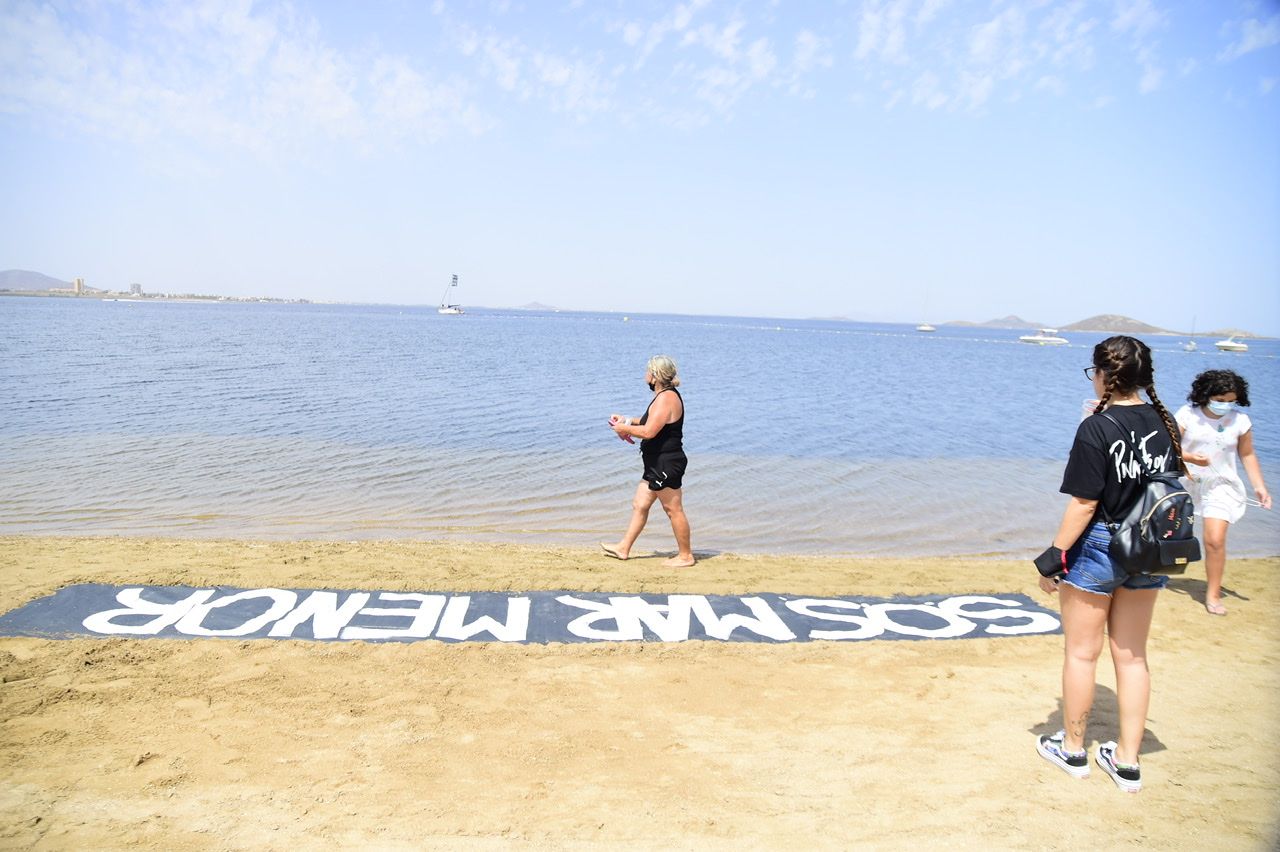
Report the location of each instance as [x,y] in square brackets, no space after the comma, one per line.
[234,744]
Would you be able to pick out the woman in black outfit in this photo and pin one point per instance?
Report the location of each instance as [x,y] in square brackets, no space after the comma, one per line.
[661,432]
[1099,599]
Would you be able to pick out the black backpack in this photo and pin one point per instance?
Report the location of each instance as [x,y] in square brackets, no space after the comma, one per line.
[1157,533]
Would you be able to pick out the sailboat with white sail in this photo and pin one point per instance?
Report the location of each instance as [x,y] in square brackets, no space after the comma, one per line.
[445,306]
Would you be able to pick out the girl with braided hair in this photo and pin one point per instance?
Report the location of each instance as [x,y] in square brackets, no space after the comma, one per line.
[1099,599]
[1216,433]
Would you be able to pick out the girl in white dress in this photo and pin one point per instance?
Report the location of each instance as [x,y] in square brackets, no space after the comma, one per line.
[1215,433]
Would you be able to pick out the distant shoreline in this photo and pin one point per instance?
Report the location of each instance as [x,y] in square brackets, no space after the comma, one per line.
[1118,325]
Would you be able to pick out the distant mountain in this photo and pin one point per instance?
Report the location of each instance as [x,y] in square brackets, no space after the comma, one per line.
[1115,323]
[22,279]
[1010,321]
[1229,332]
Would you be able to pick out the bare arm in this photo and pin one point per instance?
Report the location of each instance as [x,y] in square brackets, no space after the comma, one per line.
[662,412]
[1249,458]
[1075,518]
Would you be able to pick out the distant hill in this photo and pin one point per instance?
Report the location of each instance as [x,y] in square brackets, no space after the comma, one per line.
[1229,332]
[22,279]
[1010,321]
[535,306]
[1116,324]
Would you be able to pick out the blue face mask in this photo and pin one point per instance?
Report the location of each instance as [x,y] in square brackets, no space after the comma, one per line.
[1220,408]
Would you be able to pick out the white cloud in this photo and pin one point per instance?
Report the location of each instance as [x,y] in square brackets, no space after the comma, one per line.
[926,92]
[721,41]
[1000,44]
[811,52]
[1152,73]
[573,86]
[201,76]
[760,59]
[975,89]
[1254,35]
[1138,18]
[929,10]
[649,37]
[502,59]
[1068,37]
[1052,84]
[882,31]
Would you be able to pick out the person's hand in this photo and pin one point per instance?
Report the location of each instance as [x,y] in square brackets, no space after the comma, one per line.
[1196,458]
[1052,563]
[1049,585]
[618,424]
[1264,497]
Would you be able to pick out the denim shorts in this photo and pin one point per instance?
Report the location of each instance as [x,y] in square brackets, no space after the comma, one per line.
[1090,568]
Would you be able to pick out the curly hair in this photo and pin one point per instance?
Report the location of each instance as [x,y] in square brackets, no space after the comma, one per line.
[1213,383]
[1126,366]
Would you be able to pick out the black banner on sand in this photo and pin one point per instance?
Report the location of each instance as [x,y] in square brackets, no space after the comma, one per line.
[181,612]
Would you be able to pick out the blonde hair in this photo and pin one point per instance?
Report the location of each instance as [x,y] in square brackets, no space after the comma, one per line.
[663,371]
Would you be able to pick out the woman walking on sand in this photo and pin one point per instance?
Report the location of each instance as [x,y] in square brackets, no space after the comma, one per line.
[1098,597]
[661,432]
[1215,432]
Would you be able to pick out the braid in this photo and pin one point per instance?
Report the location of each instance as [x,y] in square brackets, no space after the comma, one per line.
[1174,433]
[1112,383]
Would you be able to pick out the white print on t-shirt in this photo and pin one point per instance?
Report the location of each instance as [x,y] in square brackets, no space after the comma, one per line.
[1131,468]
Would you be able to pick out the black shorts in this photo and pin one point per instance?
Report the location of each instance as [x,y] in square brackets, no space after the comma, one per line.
[665,471]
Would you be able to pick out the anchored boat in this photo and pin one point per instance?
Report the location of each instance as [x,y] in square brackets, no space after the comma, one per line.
[1044,337]
[445,307]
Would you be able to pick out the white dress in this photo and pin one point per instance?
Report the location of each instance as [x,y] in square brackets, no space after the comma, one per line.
[1218,490]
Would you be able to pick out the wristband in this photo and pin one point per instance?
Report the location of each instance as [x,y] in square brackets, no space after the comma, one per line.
[1051,563]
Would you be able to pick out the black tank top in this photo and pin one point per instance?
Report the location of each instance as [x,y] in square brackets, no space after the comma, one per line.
[670,438]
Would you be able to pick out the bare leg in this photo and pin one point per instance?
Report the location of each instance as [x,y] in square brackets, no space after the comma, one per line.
[1083,617]
[1215,561]
[640,505]
[672,500]
[1128,626]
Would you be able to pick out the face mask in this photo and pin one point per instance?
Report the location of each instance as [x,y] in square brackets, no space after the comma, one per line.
[652,386]
[1220,408]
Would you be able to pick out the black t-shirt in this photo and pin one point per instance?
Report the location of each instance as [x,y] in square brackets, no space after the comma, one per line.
[1102,466]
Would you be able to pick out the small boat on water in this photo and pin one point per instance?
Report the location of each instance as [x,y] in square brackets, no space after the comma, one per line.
[924,326]
[1189,346]
[1044,337]
[445,307]
[1232,345]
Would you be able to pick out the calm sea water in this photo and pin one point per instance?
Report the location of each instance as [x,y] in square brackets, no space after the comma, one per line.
[310,421]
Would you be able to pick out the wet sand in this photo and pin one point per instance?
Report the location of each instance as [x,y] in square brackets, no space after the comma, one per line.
[233,744]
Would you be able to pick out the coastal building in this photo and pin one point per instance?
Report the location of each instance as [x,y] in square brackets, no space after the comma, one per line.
[135,289]
[78,287]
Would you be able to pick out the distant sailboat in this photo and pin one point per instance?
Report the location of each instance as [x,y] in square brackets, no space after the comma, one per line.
[445,307]
[1190,345]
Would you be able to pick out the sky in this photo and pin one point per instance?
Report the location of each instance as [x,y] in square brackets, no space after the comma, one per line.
[881,160]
